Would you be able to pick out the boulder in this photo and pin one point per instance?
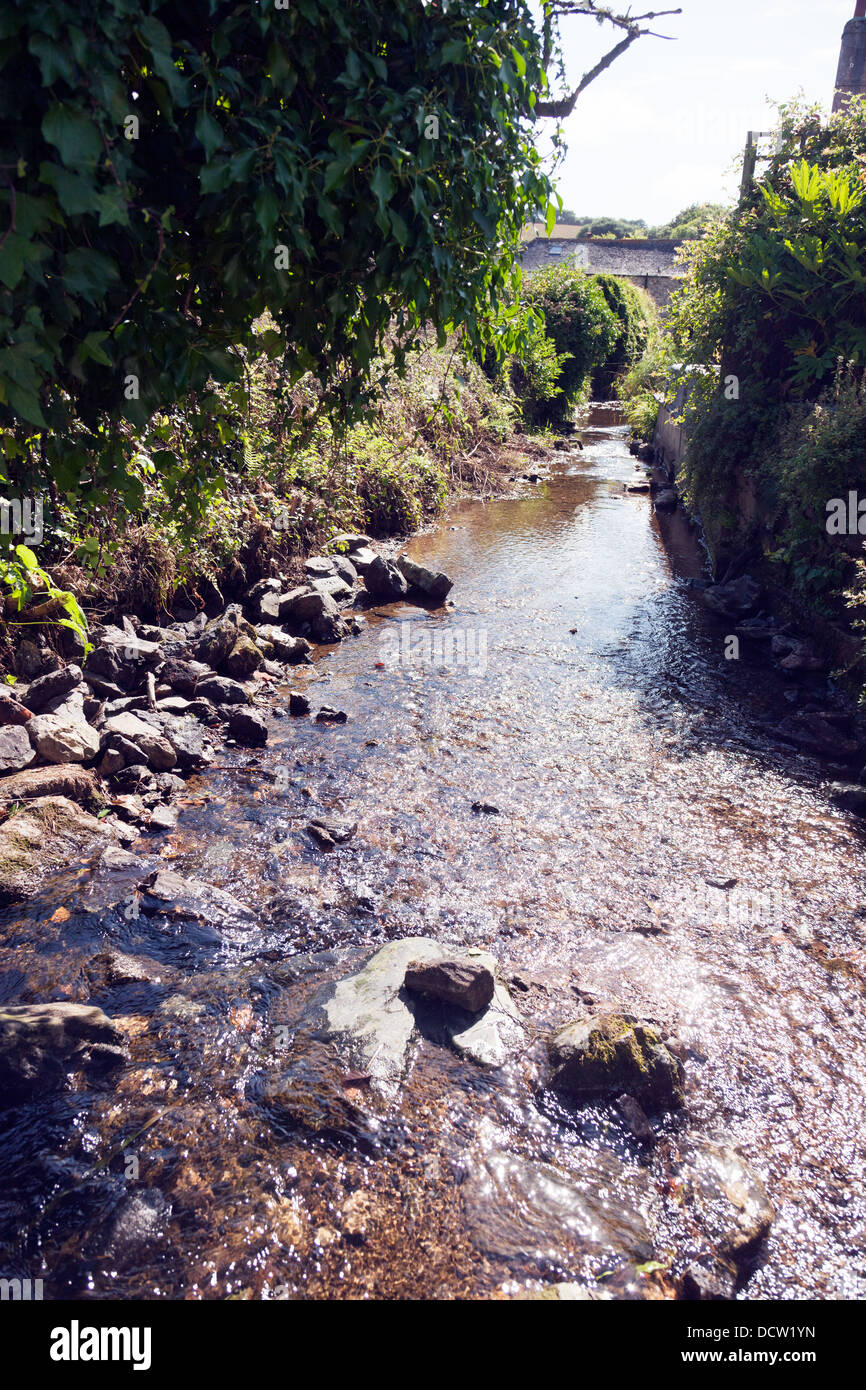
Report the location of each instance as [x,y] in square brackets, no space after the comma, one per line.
[40,1043]
[184,676]
[339,590]
[170,895]
[248,727]
[132,779]
[47,833]
[305,605]
[736,599]
[61,779]
[319,566]
[378,1021]
[384,582]
[431,583]
[244,658]
[286,648]
[348,541]
[299,703]
[192,746]
[363,558]
[345,569]
[467,984]
[217,640]
[666,500]
[327,715]
[52,686]
[724,1199]
[223,690]
[850,796]
[615,1053]
[156,749]
[16,750]
[60,739]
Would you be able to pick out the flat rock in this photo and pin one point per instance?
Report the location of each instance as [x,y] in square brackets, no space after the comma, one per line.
[40,1043]
[223,690]
[52,685]
[171,895]
[60,779]
[156,749]
[725,1199]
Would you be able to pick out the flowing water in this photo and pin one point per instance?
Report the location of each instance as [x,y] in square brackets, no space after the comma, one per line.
[651,845]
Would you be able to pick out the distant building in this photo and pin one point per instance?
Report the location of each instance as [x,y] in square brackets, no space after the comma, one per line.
[851,76]
[650,264]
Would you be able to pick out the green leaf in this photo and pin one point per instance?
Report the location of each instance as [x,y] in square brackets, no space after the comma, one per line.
[74,135]
[209,132]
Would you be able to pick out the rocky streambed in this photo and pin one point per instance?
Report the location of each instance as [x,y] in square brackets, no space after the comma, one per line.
[509,944]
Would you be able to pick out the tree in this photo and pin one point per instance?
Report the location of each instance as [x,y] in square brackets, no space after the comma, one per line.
[555,11]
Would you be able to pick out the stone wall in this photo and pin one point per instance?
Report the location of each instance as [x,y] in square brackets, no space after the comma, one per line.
[651,265]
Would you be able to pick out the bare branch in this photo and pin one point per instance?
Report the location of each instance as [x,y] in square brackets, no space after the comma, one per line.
[631,23]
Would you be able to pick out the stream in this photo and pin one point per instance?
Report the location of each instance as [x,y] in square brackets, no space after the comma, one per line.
[651,845]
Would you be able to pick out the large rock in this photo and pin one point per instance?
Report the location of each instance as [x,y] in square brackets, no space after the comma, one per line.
[59,738]
[184,676]
[16,751]
[244,658]
[248,727]
[724,1199]
[305,605]
[615,1053]
[466,984]
[156,749]
[170,895]
[850,796]
[223,690]
[52,686]
[60,779]
[332,584]
[378,1022]
[363,558]
[217,640]
[40,1043]
[349,541]
[286,648]
[735,599]
[39,839]
[385,583]
[319,566]
[432,583]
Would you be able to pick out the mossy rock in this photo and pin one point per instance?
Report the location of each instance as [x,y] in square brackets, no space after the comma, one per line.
[612,1054]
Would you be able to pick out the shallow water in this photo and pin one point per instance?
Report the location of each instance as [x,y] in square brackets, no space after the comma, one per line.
[633,774]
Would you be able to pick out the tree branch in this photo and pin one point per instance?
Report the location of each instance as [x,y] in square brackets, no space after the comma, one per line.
[631,23]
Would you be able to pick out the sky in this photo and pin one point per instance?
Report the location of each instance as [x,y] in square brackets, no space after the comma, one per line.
[662,128]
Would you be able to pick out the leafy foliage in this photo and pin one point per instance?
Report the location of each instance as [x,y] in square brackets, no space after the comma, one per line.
[582,327]
[171,171]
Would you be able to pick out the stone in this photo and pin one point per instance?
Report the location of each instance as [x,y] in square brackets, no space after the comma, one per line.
[319,566]
[286,648]
[466,984]
[136,777]
[348,541]
[666,500]
[47,833]
[40,1043]
[191,743]
[156,749]
[338,589]
[223,690]
[708,1280]
[248,727]
[118,968]
[724,1199]
[614,1053]
[849,796]
[345,569]
[217,641]
[299,703]
[736,599]
[816,735]
[184,676]
[328,715]
[384,582]
[53,685]
[16,750]
[307,605]
[70,780]
[163,818]
[244,658]
[431,583]
[363,558]
[339,828]
[634,1117]
[12,711]
[59,739]
[171,895]
[29,661]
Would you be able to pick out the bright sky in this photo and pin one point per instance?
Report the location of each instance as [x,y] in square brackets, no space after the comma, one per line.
[660,129]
